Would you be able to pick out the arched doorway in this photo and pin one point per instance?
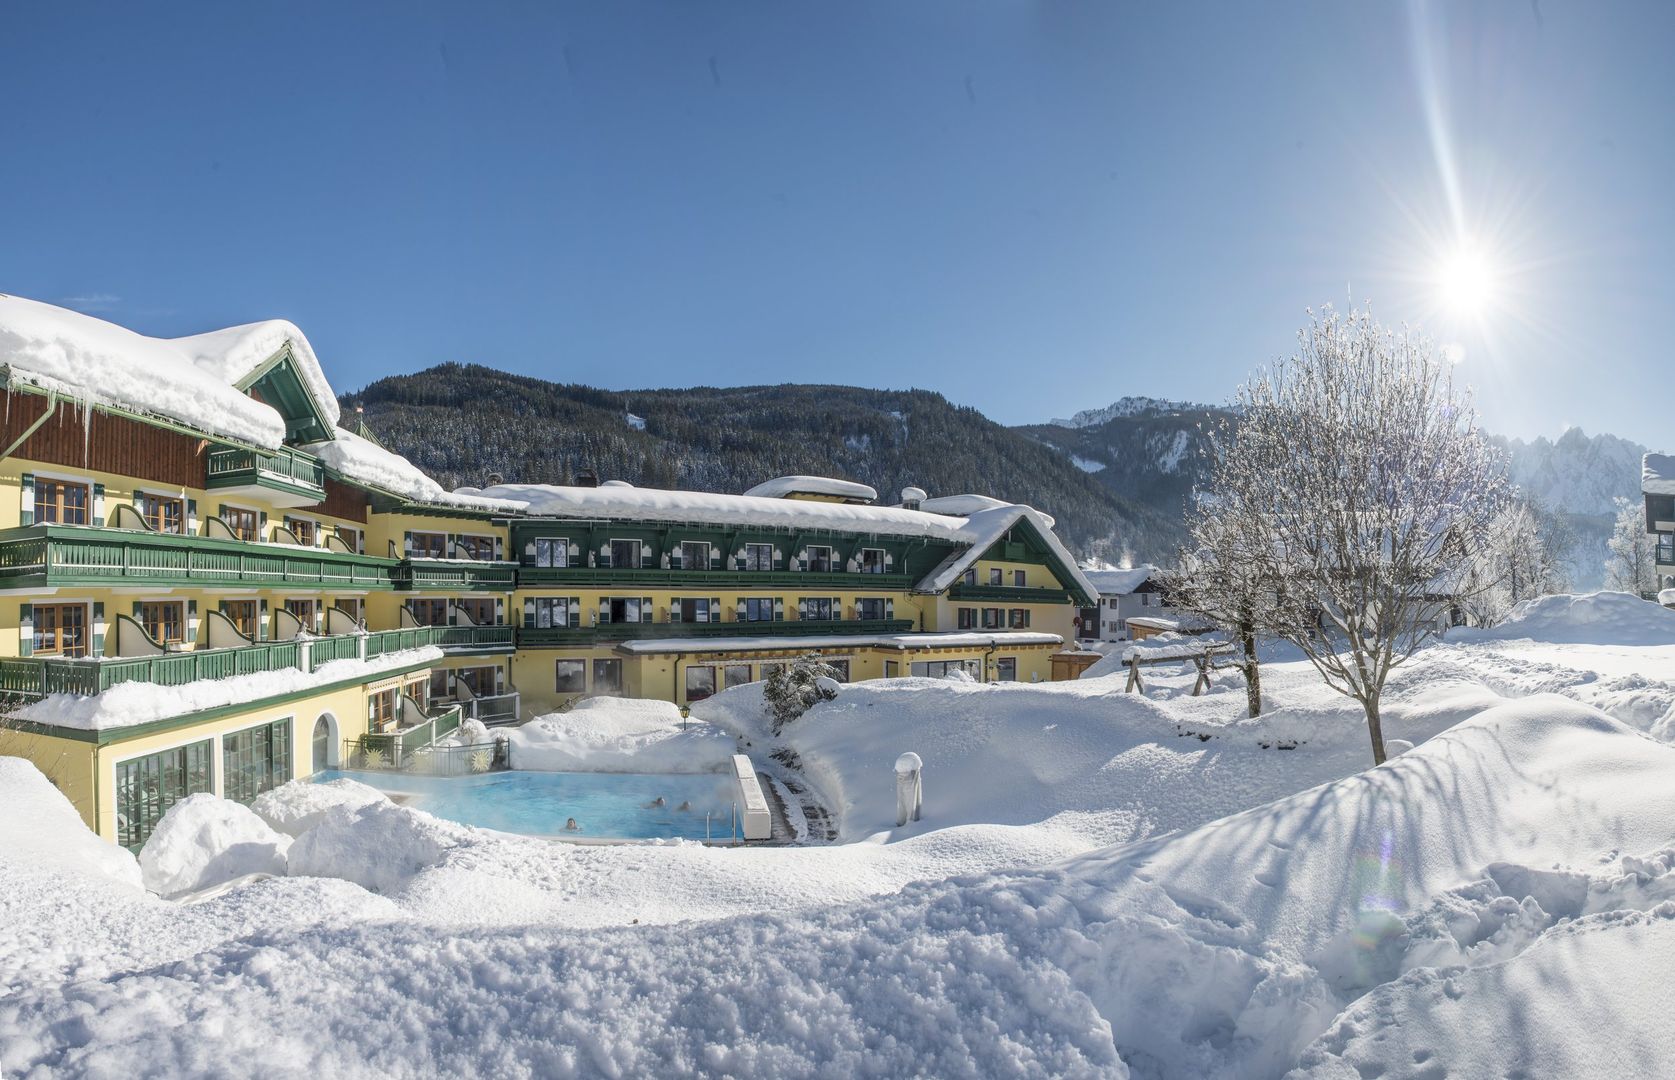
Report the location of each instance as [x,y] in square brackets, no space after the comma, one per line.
[325,742]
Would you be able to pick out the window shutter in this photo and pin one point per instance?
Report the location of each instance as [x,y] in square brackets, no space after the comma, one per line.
[262,524]
[715,609]
[779,610]
[673,560]
[28,516]
[605,556]
[499,549]
[529,612]
[98,628]
[576,611]
[739,612]
[715,556]
[802,609]
[98,505]
[500,611]
[604,611]
[674,611]
[645,609]
[407,545]
[889,608]
[779,559]
[26,629]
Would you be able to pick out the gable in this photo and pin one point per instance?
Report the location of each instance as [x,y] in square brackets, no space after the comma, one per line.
[279,384]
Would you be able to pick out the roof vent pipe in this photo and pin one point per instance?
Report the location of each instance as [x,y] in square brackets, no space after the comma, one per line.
[585,478]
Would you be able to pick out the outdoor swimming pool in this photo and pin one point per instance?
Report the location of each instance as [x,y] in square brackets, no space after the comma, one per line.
[613,806]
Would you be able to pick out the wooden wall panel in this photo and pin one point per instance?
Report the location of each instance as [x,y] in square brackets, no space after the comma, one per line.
[344,501]
[103,442]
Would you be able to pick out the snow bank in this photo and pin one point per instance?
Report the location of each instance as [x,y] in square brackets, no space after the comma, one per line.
[298,806]
[621,735]
[782,487]
[231,354]
[42,830]
[363,460]
[204,841]
[1602,618]
[131,703]
[95,361]
[379,845]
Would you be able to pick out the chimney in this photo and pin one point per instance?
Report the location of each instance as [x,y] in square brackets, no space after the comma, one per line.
[585,478]
[494,480]
[911,497]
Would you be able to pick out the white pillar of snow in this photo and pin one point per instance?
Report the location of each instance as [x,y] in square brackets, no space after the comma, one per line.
[910,792]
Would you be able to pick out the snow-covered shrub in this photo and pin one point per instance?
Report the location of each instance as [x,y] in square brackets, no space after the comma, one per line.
[379,846]
[793,687]
[298,806]
[205,841]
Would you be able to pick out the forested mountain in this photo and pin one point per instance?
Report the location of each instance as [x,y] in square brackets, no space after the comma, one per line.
[461,423]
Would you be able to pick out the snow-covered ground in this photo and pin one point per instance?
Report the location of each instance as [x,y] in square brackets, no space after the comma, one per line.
[1103,884]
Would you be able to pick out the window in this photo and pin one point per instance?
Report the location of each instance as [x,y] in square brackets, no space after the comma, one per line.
[872,560]
[60,629]
[815,607]
[474,547]
[352,538]
[870,609]
[691,610]
[1666,548]
[439,684]
[1006,669]
[163,620]
[1019,619]
[243,615]
[1019,577]
[426,611]
[255,760]
[60,501]
[756,609]
[551,612]
[695,555]
[306,611]
[427,545]
[380,714]
[481,680]
[321,744]
[970,577]
[941,669]
[735,675]
[480,610]
[700,683]
[162,513]
[571,676]
[621,609]
[992,618]
[146,787]
[625,554]
[819,560]
[306,530]
[968,618]
[891,669]
[840,669]
[758,556]
[241,523]
[996,575]
[607,676]
[552,551]
[352,606]
[1145,599]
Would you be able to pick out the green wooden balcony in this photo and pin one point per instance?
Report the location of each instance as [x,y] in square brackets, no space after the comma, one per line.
[423,574]
[614,632]
[1007,594]
[73,555]
[452,639]
[712,579]
[285,477]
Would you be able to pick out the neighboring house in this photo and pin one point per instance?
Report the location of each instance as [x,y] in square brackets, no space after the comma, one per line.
[1123,595]
[277,594]
[1657,484]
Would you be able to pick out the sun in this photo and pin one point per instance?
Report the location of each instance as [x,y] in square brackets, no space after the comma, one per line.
[1465,281]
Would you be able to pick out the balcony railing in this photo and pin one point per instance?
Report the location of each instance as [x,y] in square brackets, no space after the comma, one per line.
[284,468]
[456,574]
[700,579]
[584,635]
[1007,594]
[48,555]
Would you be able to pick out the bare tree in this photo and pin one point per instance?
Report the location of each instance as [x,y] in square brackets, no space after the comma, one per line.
[1629,565]
[1220,577]
[1361,490]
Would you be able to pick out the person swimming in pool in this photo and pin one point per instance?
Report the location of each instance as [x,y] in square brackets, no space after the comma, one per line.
[571,826]
[657,804]
[685,807]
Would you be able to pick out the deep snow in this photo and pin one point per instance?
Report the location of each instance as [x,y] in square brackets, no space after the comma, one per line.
[1105,883]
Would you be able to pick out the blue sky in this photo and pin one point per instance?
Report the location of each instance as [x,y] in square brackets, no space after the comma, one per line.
[1030,208]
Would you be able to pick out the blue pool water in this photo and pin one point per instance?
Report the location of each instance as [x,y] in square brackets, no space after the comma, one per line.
[606,805]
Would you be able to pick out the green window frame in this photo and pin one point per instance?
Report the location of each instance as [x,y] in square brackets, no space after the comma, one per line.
[255,760]
[147,786]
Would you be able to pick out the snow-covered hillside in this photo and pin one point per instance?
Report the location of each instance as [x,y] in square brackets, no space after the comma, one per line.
[1127,406]
[1103,884]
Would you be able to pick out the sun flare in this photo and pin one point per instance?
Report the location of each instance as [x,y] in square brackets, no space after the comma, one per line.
[1465,281]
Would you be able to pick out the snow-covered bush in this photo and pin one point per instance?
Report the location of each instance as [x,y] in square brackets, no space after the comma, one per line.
[205,841]
[793,687]
[298,806]
[379,846]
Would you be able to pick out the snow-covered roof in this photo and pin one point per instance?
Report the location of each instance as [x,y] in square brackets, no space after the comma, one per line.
[967,505]
[233,353]
[999,639]
[1120,582]
[985,528]
[781,487]
[1657,474]
[360,459]
[100,363]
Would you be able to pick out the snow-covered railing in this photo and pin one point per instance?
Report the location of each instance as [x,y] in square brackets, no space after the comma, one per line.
[630,631]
